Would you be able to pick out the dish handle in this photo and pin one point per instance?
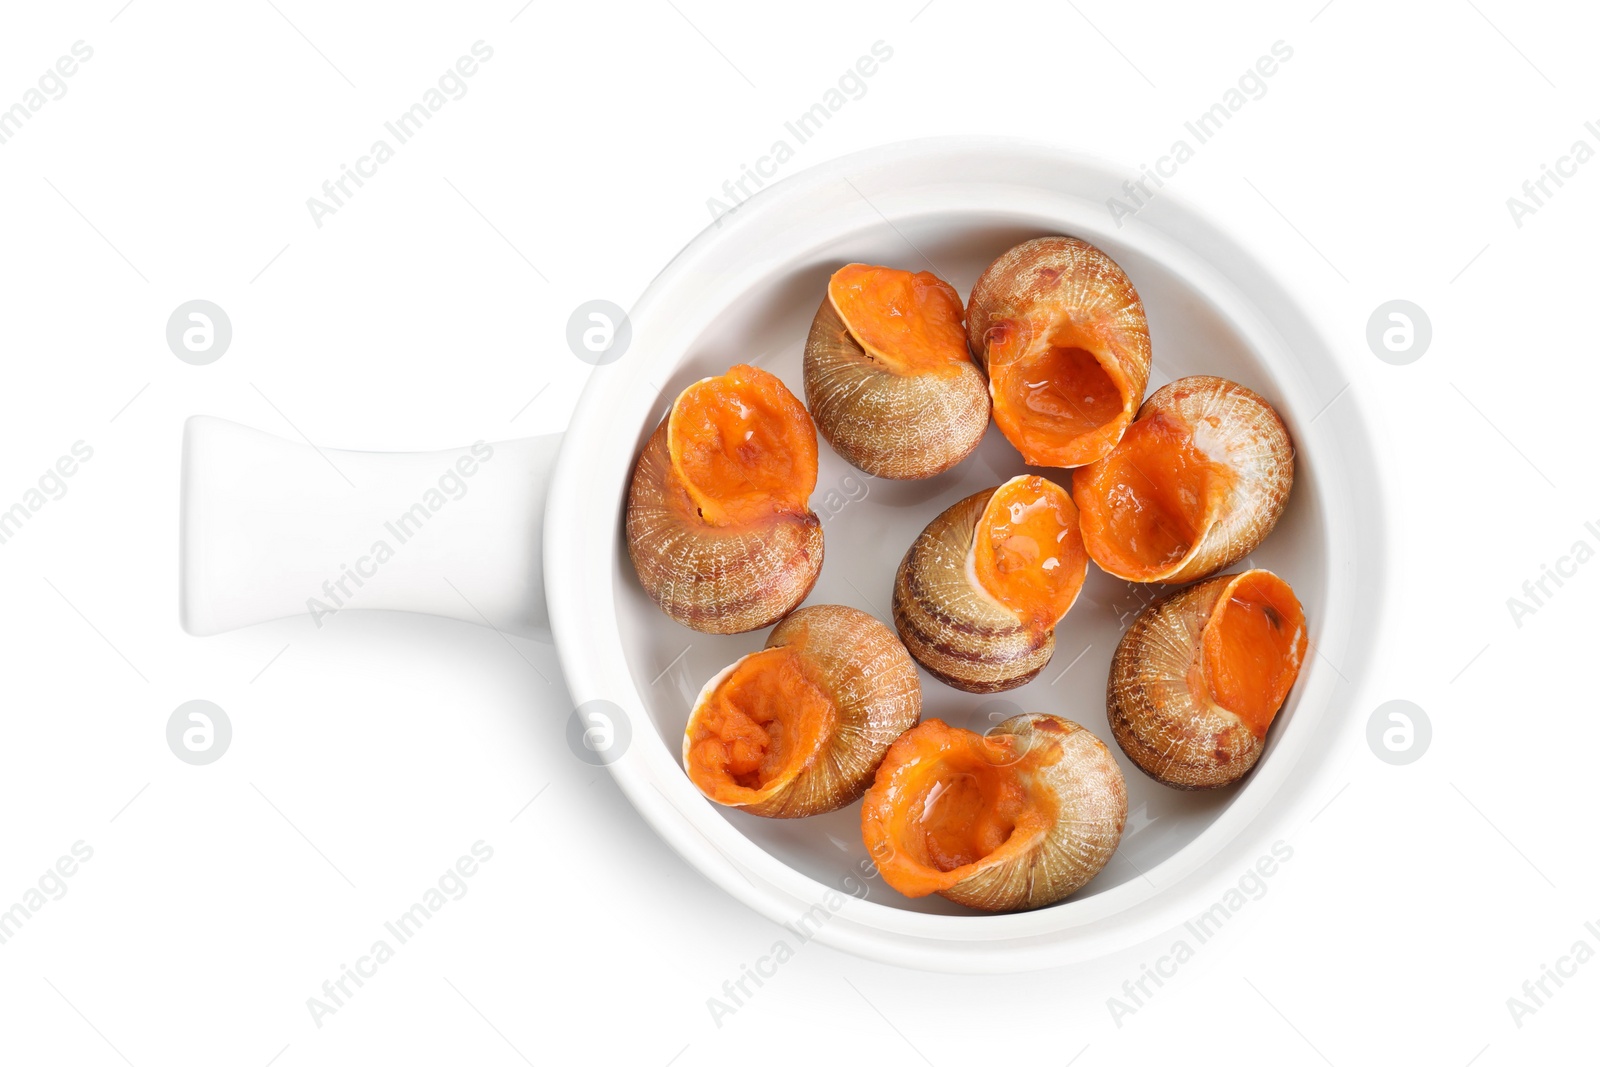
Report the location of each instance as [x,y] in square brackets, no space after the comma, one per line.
[271,529]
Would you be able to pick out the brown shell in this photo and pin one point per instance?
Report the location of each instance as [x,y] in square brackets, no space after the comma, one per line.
[1170,734]
[887,424]
[1091,799]
[718,580]
[858,662]
[1254,443]
[956,630]
[1065,279]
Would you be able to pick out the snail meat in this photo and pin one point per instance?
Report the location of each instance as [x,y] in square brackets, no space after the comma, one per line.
[1200,675]
[799,727]
[978,595]
[718,526]
[1196,483]
[1061,333]
[1014,819]
[888,377]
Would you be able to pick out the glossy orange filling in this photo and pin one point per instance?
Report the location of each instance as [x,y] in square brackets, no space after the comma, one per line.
[911,323]
[1028,553]
[1146,505]
[1058,403]
[743,447]
[1253,644]
[762,724]
[948,801]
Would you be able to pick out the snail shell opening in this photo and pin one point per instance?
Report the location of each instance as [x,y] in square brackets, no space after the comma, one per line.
[978,595]
[722,539]
[1200,675]
[800,727]
[898,401]
[1195,485]
[1061,333]
[1016,819]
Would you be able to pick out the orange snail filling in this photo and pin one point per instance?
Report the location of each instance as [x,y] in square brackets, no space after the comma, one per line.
[1146,505]
[1056,395]
[1028,553]
[949,799]
[1253,645]
[742,447]
[910,323]
[765,721]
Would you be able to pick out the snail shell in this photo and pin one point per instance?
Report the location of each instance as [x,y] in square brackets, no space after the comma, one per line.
[1237,639]
[907,403]
[800,727]
[1015,819]
[757,560]
[956,628]
[1061,332]
[1195,485]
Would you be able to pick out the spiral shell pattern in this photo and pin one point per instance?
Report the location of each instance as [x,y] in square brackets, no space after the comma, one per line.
[1060,291]
[1157,702]
[963,636]
[1241,433]
[1077,795]
[865,671]
[717,580]
[887,424]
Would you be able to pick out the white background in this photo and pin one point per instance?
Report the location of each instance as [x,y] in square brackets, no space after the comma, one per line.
[430,311]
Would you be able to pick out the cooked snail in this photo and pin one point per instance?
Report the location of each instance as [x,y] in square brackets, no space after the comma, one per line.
[718,525]
[799,727]
[978,595]
[1200,675]
[887,374]
[1015,819]
[1061,333]
[1196,483]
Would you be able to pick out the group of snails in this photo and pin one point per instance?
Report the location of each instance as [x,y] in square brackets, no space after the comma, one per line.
[902,380]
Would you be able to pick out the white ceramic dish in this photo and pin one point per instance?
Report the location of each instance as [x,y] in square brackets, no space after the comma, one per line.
[745,291]
[257,541]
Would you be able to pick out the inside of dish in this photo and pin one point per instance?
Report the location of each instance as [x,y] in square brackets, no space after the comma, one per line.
[762,723]
[909,323]
[1062,402]
[949,803]
[1028,552]
[1147,504]
[743,447]
[1253,645]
